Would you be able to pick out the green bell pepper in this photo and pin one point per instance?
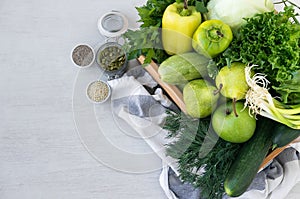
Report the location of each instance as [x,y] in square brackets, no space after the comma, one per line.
[179,22]
[212,37]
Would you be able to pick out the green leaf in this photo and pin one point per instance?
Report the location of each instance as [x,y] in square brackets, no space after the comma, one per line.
[200,7]
[149,56]
[147,39]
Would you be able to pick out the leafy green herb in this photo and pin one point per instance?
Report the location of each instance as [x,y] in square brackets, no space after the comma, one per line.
[272,42]
[151,13]
[147,40]
[199,149]
[290,89]
[201,6]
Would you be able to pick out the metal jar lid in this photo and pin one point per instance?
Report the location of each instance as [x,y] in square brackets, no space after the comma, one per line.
[113,24]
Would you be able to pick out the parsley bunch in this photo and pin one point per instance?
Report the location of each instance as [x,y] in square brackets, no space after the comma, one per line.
[147,40]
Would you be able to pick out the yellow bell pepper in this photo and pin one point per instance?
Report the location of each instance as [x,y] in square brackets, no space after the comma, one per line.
[179,22]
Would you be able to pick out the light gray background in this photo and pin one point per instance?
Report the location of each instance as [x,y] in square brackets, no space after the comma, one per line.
[41,153]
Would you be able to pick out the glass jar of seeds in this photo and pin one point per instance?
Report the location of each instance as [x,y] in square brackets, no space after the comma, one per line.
[111,57]
[83,55]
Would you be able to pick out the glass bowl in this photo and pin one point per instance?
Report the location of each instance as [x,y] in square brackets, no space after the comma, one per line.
[98,91]
[83,55]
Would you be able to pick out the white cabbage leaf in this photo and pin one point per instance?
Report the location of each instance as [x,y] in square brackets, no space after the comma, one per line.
[232,12]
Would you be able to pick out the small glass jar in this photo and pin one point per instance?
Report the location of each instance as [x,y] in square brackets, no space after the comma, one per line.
[110,57]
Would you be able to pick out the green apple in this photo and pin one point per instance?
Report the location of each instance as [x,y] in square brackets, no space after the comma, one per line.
[232,128]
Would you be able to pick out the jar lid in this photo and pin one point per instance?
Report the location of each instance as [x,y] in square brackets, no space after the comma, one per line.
[113,24]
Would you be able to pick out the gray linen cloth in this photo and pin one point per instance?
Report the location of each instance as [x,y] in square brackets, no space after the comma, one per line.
[136,99]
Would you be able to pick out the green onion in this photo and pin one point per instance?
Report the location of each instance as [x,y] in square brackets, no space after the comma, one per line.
[261,102]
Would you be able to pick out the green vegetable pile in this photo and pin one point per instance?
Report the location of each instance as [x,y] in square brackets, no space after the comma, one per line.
[268,45]
[271,42]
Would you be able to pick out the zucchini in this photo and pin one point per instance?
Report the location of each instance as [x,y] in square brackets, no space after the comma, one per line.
[283,135]
[181,68]
[244,169]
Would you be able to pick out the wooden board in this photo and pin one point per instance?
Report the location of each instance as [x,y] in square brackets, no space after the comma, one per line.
[176,95]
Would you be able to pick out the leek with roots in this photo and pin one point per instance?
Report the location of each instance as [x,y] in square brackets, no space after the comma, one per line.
[261,102]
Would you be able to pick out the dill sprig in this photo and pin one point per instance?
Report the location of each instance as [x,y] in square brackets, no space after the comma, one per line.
[203,158]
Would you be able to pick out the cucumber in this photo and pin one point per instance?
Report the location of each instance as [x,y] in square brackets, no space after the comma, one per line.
[283,135]
[244,169]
